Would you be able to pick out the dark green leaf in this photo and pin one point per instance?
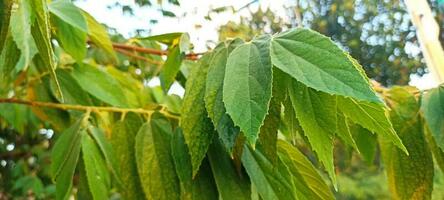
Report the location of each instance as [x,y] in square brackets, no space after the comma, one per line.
[365,142]
[70,89]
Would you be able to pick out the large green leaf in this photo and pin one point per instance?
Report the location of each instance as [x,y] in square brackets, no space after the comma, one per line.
[154,160]
[5,14]
[247,89]
[317,62]
[230,184]
[202,186]
[123,141]
[70,89]
[21,21]
[214,96]
[98,35]
[99,84]
[316,112]
[64,157]
[308,183]
[72,39]
[95,167]
[272,181]
[196,125]
[69,13]
[371,116]
[433,108]
[171,68]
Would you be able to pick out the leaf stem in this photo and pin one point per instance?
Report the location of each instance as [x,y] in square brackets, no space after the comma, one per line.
[87,108]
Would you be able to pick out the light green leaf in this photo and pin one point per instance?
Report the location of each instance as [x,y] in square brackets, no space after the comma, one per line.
[308,183]
[171,68]
[154,160]
[371,116]
[69,13]
[272,181]
[70,89]
[316,112]
[123,141]
[99,84]
[343,131]
[365,142]
[72,39]
[317,62]
[5,14]
[20,25]
[9,57]
[196,126]
[98,35]
[95,168]
[167,38]
[433,108]
[247,89]
[65,155]
[230,184]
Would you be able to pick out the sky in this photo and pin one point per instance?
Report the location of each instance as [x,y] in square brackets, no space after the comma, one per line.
[192,20]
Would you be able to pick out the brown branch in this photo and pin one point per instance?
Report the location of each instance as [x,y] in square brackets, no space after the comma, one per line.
[87,108]
[129,54]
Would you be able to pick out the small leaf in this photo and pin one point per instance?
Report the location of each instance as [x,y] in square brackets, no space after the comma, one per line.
[247,89]
[72,39]
[99,84]
[196,126]
[366,142]
[98,35]
[167,38]
[65,155]
[433,108]
[308,183]
[171,68]
[154,161]
[69,13]
[343,131]
[317,62]
[5,14]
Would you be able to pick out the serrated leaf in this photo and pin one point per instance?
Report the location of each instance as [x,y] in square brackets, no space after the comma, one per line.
[197,128]
[20,26]
[343,131]
[154,161]
[316,112]
[433,108]
[366,142]
[230,184]
[98,35]
[95,168]
[202,187]
[69,13]
[410,176]
[70,89]
[271,181]
[171,68]
[123,142]
[317,62]
[308,183]
[371,116]
[247,89]
[99,84]
[214,98]
[72,39]
[64,157]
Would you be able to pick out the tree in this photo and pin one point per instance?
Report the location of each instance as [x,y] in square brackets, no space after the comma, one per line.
[77,119]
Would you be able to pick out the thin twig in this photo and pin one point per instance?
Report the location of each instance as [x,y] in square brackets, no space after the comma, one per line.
[128,53]
[87,108]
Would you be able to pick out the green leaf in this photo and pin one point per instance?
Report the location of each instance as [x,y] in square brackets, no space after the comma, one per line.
[123,141]
[247,89]
[9,56]
[371,116]
[99,84]
[438,153]
[5,14]
[69,13]
[433,108]
[308,183]
[410,176]
[154,161]
[202,186]
[196,126]
[271,181]
[70,89]
[214,97]
[316,112]
[20,25]
[230,184]
[64,157]
[95,168]
[343,131]
[167,38]
[317,62]
[72,39]
[365,142]
[98,35]
[42,36]
[171,68]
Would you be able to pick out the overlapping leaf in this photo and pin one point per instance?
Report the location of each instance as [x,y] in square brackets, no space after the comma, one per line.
[433,108]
